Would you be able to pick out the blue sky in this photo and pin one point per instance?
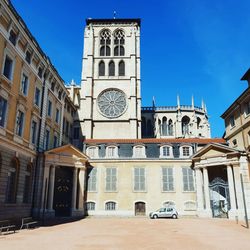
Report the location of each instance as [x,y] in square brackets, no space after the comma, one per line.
[188,47]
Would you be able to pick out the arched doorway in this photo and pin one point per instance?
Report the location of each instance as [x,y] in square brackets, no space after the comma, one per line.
[140,208]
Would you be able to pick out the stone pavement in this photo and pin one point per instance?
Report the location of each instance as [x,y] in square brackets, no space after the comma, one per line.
[132,233]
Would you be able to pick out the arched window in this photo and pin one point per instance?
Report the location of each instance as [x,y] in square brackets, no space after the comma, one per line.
[170,128]
[92,152]
[111,152]
[186,151]
[110,205]
[101,68]
[164,126]
[28,184]
[105,39]
[12,181]
[119,42]
[190,205]
[139,151]
[102,51]
[121,68]
[159,126]
[169,204]
[111,68]
[185,125]
[90,206]
[166,151]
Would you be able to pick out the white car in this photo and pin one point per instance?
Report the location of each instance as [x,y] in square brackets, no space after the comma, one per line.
[164,212]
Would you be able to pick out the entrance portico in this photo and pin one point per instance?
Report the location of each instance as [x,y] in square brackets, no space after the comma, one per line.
[219,193]
[64,182]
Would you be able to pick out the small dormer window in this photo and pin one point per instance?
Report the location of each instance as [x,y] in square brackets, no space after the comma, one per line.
[166,151]
[139,151]
[186,151]
[92,152]
[112,152]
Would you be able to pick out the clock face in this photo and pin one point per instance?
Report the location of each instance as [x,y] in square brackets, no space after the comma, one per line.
[112,103]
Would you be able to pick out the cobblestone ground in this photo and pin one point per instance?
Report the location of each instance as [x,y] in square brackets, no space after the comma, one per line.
[132,233]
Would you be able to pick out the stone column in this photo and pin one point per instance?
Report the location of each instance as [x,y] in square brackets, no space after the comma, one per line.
[51,187]
[230,179]
[74,190]
[206,190]
[199,193]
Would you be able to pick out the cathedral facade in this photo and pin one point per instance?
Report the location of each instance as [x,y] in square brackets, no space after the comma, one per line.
[140,157]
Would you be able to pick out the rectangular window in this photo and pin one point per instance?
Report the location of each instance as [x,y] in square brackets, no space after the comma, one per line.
[37,97]
[167,179]
[111,179]
[232,121]
[57,115]
[188,179]
[13,37]
[46,144]
[185,151]
[8,67]
[33,132]
[3,111]
[165,151]
[19,123]
[92,181]
[49,108]
[24,84]
[28,57]
[40,72]
[247,108]
[111,152]
[139,179]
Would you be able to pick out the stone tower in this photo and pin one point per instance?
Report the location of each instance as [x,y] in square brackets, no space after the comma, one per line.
[110,81]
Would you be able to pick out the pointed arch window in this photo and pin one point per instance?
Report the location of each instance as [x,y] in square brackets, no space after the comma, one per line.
[105,40]
[111,68]
[121,68]
[101,68]
[119,41]
[170,128]
[164,126]
[12,182]
[185,125]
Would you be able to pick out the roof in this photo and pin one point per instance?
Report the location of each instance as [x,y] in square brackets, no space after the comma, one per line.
[246,75]
[114,20]
[156,140]
[219,147]
[236,102]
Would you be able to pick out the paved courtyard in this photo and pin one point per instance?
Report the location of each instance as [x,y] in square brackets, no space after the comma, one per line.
[132,233]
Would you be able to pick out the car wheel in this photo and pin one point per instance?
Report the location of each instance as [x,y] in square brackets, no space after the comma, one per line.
[174,216]
[155,216]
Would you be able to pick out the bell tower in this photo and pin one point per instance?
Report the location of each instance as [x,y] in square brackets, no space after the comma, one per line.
[110,81]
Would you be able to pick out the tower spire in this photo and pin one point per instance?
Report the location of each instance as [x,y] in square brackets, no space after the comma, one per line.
[178,101]
[192,101]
